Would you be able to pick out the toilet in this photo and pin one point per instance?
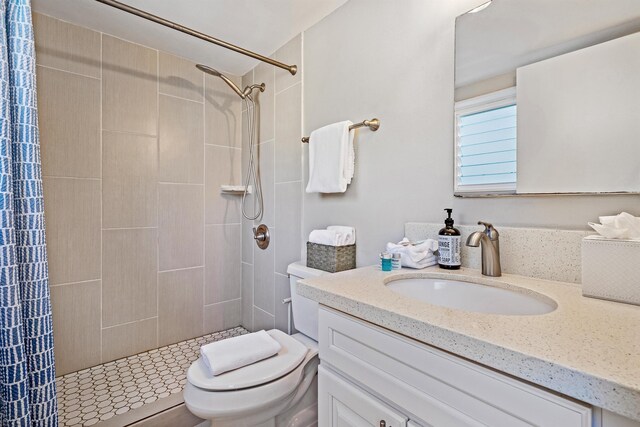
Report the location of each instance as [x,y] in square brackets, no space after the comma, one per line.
[279,391]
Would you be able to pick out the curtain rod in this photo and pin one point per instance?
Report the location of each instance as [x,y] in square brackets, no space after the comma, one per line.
[293,69]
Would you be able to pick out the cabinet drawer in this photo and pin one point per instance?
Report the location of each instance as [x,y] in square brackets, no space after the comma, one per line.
[435,386]
[343,404]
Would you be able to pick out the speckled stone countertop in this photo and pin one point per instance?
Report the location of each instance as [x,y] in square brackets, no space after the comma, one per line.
[588,349]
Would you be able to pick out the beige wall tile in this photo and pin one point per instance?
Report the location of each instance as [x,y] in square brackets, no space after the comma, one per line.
[181,141]
[288,148]
[265,73]
[180,305]
[222,263]
[247,80]
[129,275]
[129,87]
[263,280]
[131,338]
[247,296]
[72,212]
[69,122]
[181,226]
[266,161]
[129,180]
[290,53]
[223,109]
[282,291]
[76,325]
[248,243]
[222,166]
[66,47]
[221,316]
[180,77]
[289,225]
[262,320]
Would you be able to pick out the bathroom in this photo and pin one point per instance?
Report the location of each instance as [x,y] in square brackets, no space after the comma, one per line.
[153,249]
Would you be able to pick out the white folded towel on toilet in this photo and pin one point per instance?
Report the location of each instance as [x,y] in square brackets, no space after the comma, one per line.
[236,352]
[325,237]
[418,255]
[331,158]
[347,234]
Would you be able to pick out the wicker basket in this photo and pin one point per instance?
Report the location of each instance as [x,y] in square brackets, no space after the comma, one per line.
[331,258]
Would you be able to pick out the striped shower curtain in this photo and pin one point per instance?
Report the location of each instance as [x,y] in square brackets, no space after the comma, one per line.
[27,374]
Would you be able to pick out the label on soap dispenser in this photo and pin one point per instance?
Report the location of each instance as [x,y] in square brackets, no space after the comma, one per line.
[449,250]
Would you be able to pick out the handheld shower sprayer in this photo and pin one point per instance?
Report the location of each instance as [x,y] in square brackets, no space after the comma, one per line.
[241,93]
[253,175]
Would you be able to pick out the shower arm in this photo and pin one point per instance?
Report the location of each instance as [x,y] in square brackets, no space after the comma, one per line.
[293,69]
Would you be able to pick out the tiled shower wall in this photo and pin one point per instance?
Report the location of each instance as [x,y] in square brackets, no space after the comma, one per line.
[264,273]
[143,250]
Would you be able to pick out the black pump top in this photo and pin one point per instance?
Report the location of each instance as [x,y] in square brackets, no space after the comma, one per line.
[449,221]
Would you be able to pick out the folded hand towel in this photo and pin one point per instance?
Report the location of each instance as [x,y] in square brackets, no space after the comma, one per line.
[420,255]
[331,158]
[348,234]
[236,352]
[325,237]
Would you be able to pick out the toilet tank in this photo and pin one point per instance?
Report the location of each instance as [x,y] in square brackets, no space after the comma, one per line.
[305,311]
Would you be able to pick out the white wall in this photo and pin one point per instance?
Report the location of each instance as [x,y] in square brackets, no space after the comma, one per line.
[394,60]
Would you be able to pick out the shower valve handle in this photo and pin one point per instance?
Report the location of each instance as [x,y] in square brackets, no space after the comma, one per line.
[261,236]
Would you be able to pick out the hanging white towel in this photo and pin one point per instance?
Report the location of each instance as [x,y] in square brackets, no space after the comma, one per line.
[236,352]
[331,158]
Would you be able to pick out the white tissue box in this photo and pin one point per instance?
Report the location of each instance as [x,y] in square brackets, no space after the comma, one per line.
[611,269]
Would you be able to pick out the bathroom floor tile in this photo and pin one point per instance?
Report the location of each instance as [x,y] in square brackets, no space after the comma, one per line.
[96,394]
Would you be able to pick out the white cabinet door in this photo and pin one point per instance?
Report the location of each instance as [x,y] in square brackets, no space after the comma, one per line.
[342,404]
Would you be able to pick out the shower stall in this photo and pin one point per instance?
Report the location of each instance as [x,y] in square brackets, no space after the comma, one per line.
[148,258]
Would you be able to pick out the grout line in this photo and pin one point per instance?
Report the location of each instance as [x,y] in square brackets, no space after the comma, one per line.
[101,196]
[156,136]
[129,323]
[222,224]
[289,87]
[223,146]
[301,160]
[76,283]
[180,269]
[223,302]
[128,228]
[158,200]
[73,177]
[72,72]
[275,208]
[204,198]
[179,183]
[179,97]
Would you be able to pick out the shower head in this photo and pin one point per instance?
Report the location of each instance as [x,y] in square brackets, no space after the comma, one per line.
[241,93]
[217,73]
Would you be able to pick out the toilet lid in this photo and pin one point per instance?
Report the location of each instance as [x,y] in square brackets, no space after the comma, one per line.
[288,358]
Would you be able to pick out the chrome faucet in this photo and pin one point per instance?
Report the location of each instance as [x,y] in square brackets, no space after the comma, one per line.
[489,243]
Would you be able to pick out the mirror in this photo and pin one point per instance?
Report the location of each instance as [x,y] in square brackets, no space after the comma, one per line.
[575,67]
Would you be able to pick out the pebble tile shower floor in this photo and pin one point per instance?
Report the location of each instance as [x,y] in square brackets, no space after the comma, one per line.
[97,394]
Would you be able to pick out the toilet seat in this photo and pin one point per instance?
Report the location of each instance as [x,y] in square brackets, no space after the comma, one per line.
[289,357]
[248,406]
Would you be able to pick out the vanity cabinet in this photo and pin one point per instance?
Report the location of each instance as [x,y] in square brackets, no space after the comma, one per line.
[370,375]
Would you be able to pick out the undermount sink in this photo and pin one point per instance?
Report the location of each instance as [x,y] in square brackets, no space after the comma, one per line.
[472,296]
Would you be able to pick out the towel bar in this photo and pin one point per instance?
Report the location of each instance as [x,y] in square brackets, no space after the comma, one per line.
[373,124]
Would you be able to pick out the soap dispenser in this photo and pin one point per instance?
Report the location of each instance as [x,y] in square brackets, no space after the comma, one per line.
[449,244]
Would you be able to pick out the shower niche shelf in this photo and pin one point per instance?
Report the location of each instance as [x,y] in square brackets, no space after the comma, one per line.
[235,189]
